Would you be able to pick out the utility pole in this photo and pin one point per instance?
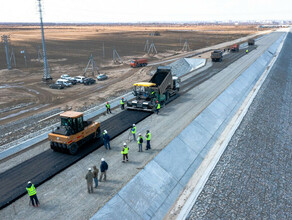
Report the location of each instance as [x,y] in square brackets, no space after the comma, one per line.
[40,56]
[24,56]
[46,75]
[93,65]
[116,57]
[5,39]
[13,56]
[103,53]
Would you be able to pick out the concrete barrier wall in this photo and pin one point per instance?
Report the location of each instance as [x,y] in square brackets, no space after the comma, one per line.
[151,193]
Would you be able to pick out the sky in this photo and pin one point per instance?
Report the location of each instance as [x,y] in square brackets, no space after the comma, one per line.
[116,11]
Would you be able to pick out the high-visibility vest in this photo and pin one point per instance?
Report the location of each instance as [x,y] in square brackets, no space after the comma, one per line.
[246,51]
[139,139]
[152,93]
[122,102]
[134,130]
[108,106]
[148,136]
[31,191]
[158,106]
[125,150]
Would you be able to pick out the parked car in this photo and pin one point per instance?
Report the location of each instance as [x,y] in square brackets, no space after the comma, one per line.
[65,76]
[79,79]
[56,86]
[72,80]
[101,77]
[89,81]
[64,82]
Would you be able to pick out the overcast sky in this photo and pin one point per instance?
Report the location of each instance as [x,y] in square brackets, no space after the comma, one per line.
[95,11]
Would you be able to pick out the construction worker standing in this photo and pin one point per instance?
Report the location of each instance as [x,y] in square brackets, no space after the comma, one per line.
[95,176]
[106,140]
[103,169]
[157,107]
[89,180]
[140,142]
[32,194]
[133,130]
[124,152]
[148,139]
[108,107]
[122,103]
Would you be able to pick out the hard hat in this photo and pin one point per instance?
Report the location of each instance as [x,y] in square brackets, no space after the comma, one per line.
[157,101]
[134,125]
[89,169]
[28,182]
[105,131]
[139,134]
[106,102]
[102,159]
[125,144]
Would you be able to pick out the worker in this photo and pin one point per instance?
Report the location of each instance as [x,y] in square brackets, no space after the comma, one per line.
[32,194]
[95,176]
[124,152]
[148,139]
[108,107]
[106,140]
[133,130]
[122,103]
[89,180]
[140,142]
[157,107]
[103,169]
[246,51]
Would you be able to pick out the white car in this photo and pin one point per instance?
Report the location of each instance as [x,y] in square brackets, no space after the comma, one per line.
[64,82]
[65,76]
[80,79]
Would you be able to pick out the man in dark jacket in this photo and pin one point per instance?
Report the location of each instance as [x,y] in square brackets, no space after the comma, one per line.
[103,169]
[95,176]
[32,194]
[106,140]
[89,179]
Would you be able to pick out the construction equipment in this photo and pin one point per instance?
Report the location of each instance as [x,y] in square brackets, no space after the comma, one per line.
[251,42]
[217,55]
[234,48]
[138,62]
[73,132]
[162,87]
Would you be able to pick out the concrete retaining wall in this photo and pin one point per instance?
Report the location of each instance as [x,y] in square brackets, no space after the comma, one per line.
[151,193]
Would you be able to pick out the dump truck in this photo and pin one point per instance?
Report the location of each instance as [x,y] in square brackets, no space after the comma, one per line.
[217,55]
[162,87]
[234,48]
[251,42]
[73,132]
[138,62]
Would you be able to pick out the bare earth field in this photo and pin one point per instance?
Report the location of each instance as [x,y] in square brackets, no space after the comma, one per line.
[68,50]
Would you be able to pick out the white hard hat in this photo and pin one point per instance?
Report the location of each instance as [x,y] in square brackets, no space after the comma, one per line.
[28,182]
[139,133]
[89,169]
[134,125]
[125,143]
[102,159]
[105,131]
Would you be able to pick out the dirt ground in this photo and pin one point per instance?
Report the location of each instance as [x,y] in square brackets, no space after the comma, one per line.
[68,51]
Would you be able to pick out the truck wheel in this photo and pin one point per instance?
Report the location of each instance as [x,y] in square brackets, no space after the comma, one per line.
[73,148]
